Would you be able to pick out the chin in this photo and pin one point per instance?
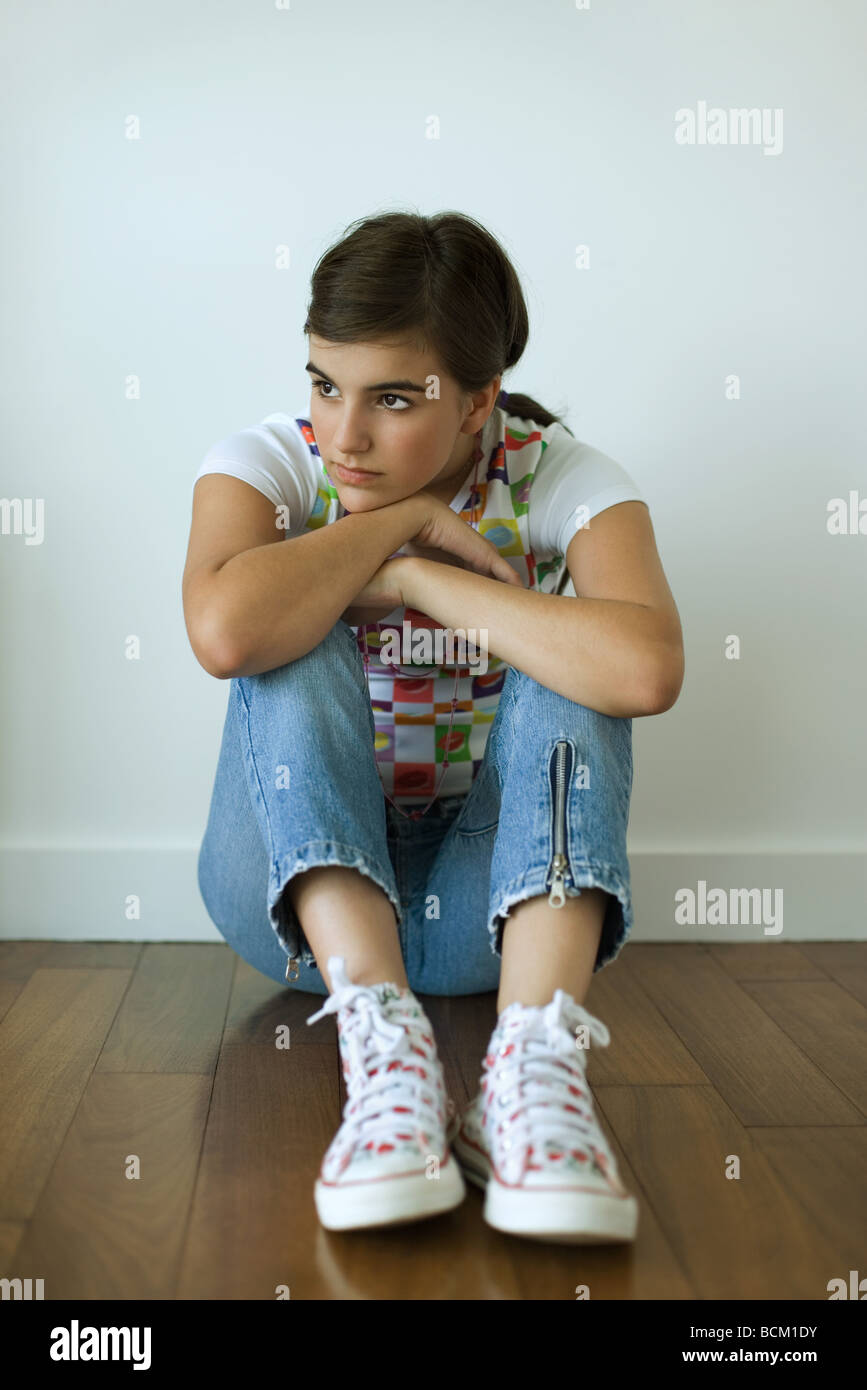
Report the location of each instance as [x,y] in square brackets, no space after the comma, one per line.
[357,499]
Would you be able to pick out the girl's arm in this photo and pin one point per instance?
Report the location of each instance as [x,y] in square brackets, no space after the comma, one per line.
[617,649]
[255,599]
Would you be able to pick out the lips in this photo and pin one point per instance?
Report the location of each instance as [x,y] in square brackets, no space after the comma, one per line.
[353,474]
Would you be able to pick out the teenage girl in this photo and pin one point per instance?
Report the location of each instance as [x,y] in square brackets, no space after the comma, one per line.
[419,817]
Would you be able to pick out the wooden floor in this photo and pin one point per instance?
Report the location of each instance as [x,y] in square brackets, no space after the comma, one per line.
[167,1053]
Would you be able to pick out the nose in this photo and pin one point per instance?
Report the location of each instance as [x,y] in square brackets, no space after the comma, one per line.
[350,437]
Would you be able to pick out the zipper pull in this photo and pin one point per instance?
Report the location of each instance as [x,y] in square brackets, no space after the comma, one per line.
[557,897]
[292,969]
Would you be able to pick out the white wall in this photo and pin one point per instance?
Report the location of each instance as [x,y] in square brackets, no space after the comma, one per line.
[155,258]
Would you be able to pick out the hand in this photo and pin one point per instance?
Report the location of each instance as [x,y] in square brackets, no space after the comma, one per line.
[440,534]
[435,533]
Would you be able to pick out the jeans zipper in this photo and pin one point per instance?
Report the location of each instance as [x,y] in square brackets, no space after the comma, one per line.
[292,969]
[559,866]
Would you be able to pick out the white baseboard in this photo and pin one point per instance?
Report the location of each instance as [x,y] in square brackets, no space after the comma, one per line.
[81,894]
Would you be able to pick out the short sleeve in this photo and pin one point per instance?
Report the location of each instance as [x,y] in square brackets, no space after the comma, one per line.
[272,457]
[572,483]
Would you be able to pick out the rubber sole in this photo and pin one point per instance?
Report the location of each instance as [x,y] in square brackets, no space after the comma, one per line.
[564,1218]
[393,1201]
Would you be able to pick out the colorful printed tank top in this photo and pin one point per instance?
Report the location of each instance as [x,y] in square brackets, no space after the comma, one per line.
[411,700]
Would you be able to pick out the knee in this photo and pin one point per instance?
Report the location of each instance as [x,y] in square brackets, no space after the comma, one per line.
[568,743]
[335,655]
[548,715]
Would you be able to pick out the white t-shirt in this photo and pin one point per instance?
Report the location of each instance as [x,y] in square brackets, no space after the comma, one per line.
[535,487]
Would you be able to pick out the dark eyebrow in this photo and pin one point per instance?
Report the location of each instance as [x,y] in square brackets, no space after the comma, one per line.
[402,385]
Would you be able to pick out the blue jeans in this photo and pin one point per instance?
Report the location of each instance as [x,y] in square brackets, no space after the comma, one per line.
[297,787]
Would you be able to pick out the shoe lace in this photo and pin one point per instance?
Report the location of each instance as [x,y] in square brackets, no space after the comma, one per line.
[402,1069]
[539,1073]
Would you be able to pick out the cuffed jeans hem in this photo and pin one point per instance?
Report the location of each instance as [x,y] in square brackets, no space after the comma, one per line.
[615,929]
[317,854]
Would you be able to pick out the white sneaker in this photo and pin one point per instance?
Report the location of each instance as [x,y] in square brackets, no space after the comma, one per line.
[531,1137]
[390,1160]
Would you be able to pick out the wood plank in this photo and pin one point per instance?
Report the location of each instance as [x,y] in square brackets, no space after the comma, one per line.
[648,1268]
[737,1238]
[173,1014]
[49,1043]
[827,1024]
[643,1049]
[92,955]
[454,1257]
[824,1169]
[463,1024]
[97,1233]
[11,1235]
[461,1031]
[756,1068]
[253,1225]
[18,960]
[258,1006]
[765,960]
[844,962]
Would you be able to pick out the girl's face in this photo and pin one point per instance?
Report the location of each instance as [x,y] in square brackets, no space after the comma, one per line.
[392,411]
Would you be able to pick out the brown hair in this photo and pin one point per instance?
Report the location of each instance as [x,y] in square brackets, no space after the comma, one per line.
[445,278]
